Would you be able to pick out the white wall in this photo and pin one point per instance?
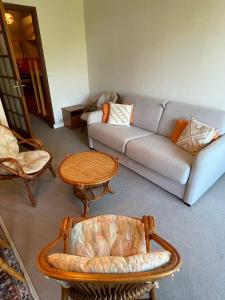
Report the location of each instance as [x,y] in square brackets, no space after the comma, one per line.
[173,49]
[63,38]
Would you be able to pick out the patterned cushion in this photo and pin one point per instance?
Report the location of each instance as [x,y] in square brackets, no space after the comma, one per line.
[110,264]
[8,143]
[31,161]
[108,235]
[120,114]
[196,136]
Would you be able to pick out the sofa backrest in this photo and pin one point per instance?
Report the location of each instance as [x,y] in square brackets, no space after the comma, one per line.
[147,111]
[179,110]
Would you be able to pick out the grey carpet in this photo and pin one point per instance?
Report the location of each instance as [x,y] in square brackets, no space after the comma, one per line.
[197,232]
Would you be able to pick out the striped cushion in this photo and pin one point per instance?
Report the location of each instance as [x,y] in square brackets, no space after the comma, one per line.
[120,114]
[196,136]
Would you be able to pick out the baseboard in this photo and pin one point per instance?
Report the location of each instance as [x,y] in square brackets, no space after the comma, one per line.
[58,125]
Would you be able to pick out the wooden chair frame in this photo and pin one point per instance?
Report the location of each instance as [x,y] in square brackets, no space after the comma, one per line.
[89,281]
[18,171]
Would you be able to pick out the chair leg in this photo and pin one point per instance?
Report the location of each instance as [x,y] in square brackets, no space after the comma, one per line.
[64,293]
[52,170]
[152,294]
[31,196]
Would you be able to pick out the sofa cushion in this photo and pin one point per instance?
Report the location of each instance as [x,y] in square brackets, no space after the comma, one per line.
[110,264]
[115,137]
[178,110]
[147,112]
[120,114]
[159,154]
[196,136]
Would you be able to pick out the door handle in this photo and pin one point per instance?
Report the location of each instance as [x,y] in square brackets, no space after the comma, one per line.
[19,86]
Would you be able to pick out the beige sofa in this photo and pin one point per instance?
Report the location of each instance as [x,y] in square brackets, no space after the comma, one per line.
[145,147]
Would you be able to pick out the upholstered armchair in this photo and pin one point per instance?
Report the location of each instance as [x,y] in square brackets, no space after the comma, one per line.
[108,257]
[25,165]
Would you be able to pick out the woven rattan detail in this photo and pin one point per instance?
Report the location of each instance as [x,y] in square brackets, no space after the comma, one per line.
[88,168]
[109,292]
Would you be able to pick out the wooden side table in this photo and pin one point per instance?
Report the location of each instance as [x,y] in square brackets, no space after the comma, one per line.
[71,115]
[89,173]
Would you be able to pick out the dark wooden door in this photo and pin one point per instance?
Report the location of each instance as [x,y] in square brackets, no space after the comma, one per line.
[11,90]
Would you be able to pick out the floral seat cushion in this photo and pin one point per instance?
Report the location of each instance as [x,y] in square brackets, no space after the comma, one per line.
[8,143]
[110,264]
[108,244]
[108,235]
[31,161]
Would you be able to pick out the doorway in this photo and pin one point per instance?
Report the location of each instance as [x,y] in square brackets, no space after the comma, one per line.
[26,42]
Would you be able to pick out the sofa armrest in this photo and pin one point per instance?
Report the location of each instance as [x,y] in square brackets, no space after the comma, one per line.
[94,117]
[208,166]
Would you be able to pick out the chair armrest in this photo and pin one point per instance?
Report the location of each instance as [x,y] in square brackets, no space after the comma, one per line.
[145,276]
[18,171]
[94,117]
[208,166]
[34,142]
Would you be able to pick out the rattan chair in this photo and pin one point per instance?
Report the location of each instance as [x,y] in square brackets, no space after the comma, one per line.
[25,165]
[90,286]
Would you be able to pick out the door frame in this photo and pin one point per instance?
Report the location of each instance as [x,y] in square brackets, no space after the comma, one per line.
[9,6]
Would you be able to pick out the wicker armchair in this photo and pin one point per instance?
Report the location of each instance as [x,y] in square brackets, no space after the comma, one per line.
[25,165]
[117,286]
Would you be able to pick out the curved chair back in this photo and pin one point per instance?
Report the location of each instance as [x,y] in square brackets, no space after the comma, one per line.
[107,286]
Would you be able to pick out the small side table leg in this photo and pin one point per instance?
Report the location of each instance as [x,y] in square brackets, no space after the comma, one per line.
[86,208]
[85,200]
[109,188]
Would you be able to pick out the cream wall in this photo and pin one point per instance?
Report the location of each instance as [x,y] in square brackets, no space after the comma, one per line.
[63,38]
[173,49]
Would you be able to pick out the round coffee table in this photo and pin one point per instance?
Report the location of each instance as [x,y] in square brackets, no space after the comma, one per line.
[89,173]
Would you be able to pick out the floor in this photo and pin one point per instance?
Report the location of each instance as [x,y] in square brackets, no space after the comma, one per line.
[198,232]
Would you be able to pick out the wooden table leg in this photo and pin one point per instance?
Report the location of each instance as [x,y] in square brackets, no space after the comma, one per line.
[86,208]
[111,190]
[85,199]
[87,196]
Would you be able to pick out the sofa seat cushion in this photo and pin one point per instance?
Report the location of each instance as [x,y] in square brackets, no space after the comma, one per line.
[108,235]
[159,154]
[115,137]
[110,264]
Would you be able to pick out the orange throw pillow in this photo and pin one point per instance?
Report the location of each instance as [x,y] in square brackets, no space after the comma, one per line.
[178,129]
[105,116]
[105,110]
